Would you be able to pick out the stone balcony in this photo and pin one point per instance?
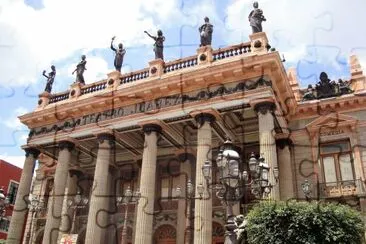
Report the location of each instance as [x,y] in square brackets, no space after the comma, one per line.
[157,69]
[352,188]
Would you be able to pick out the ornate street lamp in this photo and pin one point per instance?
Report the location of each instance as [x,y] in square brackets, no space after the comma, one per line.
[4,203]
[35,205]
[79,201]
[234,182]
[128,197]
[306,189]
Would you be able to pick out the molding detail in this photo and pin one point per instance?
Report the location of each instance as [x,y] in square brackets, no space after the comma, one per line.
[152,105]
[148,128]
[66,145]
[264,107]
[35,152]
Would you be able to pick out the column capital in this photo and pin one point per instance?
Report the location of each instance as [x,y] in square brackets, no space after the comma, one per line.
[283,142]
[106,136]
[201,118]
[66,145]
[148,128]
[264,107]
[76,172]
[31,150]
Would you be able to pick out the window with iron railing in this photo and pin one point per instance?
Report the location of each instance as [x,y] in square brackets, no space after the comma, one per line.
[12,191]
[337,162]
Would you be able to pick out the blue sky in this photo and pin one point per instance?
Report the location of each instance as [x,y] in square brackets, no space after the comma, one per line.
[313,35]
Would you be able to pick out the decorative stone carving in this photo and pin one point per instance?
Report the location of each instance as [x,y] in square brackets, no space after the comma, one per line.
[326,88]
[158,103]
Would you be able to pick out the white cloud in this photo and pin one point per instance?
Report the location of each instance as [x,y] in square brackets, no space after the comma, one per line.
[293,25]
[12,122]
[33,39]
[14,160]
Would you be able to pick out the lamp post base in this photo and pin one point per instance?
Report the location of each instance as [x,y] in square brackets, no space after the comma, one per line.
[230,235]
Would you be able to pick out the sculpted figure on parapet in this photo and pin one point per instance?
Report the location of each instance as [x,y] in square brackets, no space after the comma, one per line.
[50,78]
[256,18]
[158,45]
[80,68]
[119,55]
[206,32]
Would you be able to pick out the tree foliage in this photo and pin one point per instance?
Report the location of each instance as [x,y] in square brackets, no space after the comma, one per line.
[304,222]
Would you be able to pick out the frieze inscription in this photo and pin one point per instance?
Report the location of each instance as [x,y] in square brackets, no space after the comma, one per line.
[152,106]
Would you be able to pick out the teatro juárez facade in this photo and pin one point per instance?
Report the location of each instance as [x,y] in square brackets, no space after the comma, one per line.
[151,131]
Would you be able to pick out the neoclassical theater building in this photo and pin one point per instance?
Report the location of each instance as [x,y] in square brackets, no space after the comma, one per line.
[152,130]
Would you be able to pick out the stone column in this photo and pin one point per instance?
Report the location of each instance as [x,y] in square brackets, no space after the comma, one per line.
[145,208]
[95,230]
[267,142]
[55,207]
[68,212]
[286,178]
[185,174]
[21,207]
[203,207]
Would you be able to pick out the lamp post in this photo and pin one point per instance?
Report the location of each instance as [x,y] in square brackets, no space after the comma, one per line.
[4,203]
[35,206]
[124,200]
[234,182]
[306,189]
[79,201]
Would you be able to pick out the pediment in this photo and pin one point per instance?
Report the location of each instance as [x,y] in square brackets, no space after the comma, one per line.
[334,120]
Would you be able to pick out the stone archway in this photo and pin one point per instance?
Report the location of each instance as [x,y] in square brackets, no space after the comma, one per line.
[218,233]
[165,234]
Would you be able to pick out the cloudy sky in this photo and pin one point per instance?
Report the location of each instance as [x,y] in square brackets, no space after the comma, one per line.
[313,35]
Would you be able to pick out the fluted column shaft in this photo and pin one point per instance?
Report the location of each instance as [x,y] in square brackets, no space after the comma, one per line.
[95,229]
[267,142]
[55,207]
[203,207]
[20,207]
[185,173]
[68,212]
[145,208]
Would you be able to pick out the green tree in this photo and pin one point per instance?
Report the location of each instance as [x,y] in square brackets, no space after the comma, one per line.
[304,222]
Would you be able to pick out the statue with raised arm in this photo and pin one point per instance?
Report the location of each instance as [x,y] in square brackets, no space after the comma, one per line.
[206,33]
[240,231]
[119,54]
[80,68]
[50,78]
[255,18]
[158,45]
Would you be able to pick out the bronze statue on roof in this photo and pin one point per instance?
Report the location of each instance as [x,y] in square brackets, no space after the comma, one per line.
[206,32]
[158,45]
[80,68]
[256,18]
[50,78]
[119,55]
